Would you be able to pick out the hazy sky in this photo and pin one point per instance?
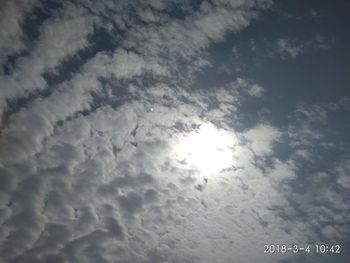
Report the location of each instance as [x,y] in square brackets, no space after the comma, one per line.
[174,131]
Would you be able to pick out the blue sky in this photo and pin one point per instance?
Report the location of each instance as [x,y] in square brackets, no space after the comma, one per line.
[174,131]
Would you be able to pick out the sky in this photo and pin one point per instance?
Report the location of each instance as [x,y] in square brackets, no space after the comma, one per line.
[174,131]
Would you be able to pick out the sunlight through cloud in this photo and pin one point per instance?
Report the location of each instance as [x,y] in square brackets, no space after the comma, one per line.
[207,149]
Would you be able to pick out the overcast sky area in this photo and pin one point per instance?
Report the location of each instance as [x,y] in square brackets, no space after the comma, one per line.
[174,131]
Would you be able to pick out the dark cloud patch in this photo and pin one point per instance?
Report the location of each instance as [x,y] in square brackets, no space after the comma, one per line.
[151,196]
[130,202]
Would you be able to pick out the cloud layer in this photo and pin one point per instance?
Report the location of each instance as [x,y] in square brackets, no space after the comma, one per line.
[88,165]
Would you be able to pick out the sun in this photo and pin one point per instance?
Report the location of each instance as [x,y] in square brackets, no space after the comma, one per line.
[207,148]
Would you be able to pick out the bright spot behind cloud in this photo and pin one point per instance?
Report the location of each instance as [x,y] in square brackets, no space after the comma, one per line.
[207,149]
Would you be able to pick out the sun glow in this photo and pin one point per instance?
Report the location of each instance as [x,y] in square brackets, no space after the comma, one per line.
[207,148]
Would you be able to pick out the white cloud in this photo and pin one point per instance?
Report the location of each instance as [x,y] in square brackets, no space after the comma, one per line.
[88,171]
[343,170]
[261,138]
[256,90]
[290,49]
[94,155]
[282,171]
[60,38]
[253,89]
[12,16]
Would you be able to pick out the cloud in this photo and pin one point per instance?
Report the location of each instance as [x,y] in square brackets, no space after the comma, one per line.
[343,170]
[60,38]
[261,138]
[88,170]
[290,49]
[293,47]
[13,14]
